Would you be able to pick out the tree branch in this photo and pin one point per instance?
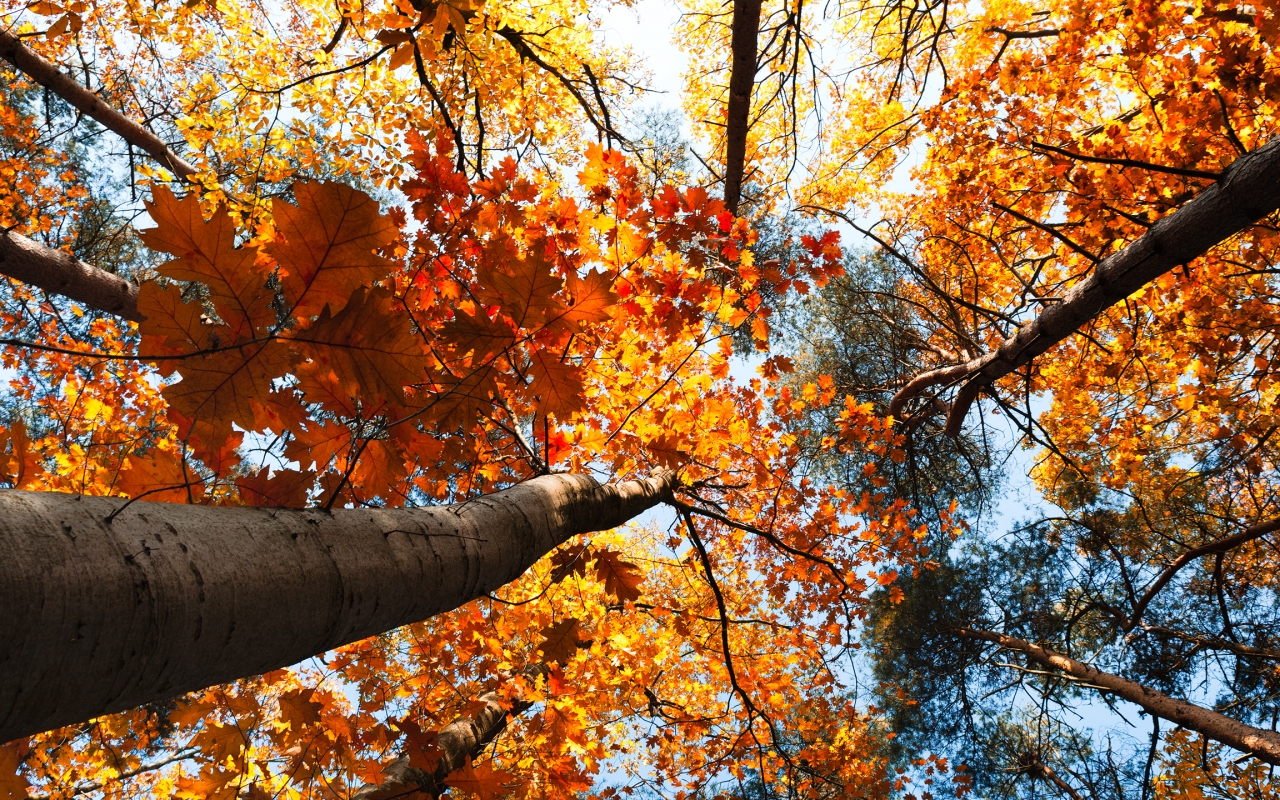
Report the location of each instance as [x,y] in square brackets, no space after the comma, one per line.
[61,273]
[49,76]
[1248,191]
[1263,744]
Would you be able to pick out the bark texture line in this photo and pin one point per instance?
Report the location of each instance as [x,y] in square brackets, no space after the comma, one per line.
[465,737]
[63,85]
[1263,744]
[742,84]
[1248,191]
[61,273]
[103,616]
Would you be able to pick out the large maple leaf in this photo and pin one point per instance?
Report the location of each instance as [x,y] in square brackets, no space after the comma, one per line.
[558,386]
[173,326]
[206,252]
[217,388]
[484,781]
[325,246]
[371,351]
[524,288]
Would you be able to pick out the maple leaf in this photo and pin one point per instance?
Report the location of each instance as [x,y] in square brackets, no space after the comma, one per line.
[620,578]
[299,709]
[524,288]
[216,389]
[325,246]
[174,326]
[479,336]
[420,746]
[560,641]
[372,352]
[592,295]
[286,488]
[458,401]
[206,252]
[12,785]
[557,385]
[569,561]
[160,477]
[484,782]
[666,448]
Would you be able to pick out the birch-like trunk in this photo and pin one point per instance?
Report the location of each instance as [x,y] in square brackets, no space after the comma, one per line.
[98,616]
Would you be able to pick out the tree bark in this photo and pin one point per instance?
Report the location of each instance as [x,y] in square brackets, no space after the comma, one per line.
[61,273]
[742,84]
[1248,191]
[1262,744]
[63,85]
[106,609]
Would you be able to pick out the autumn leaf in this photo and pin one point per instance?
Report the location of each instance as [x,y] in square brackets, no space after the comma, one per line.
[524,288]
[478,336]
[484,782]
[591,297]
[560,641]
[206,252]
[325,246]
[620,578]
[217,389]
[159,477]
[370,350]
[286,488]
[558,386]
[12,785]
[174,326]
[299,709]
[666,449]
[420,746]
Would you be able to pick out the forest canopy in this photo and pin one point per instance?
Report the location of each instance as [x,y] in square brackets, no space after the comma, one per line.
[409,396]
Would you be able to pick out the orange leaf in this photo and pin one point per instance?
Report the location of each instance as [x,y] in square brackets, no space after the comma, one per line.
[524,289]
[287,488]
[666,448]
[485,782]
[620,578]
[206,252]
[216,388]
[299,710]
[159,477]
[560,641]
[326,246]
[373,352]
[557,385]
[12,785]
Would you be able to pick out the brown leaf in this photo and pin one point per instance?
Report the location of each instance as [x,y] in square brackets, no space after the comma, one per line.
[12,785]
[299,710]
[484,782]
[620,578]
[558,386]
[372,352]
[287,488]
[560,641]
[159,477]
[524,288]
[326,246]
[206,252]
[216,389]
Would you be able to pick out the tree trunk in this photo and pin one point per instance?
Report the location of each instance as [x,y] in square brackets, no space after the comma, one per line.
[742,84]
[62,273]
[1262,744]
[104,611]
[1248,191]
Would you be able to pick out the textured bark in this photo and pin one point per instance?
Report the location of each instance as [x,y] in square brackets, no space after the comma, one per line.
[100,616]
[62,273]
[1248,191]
[55,80]
[1262,744]
[742,84]
[465,737]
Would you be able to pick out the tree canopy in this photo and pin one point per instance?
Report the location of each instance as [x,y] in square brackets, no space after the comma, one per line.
[582,449]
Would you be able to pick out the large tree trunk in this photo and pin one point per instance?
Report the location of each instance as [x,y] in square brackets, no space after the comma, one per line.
[104,611]
[62,273]
[1248,191]
[1263,744]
